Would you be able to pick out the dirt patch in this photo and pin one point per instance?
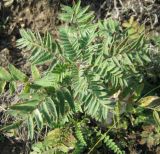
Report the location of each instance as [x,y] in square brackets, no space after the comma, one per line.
[11,146]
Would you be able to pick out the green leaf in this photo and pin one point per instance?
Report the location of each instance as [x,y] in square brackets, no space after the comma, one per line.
[77,16]
[17,74]
[156,117]
[2,86]
[4,74]
[35,72]
[26,88]
[12,87]
[41,58]
[35,96]
[25,107]
[76,7]
[69,98]
[51,106]
[47,81]
[61,99]
[71,47]
[46,113]
[42,48]
[38,118]
[30,127]
[146,58]
[11,126]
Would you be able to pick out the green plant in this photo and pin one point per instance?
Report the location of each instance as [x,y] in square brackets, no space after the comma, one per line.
[81,144]
[110,143]
[56,141]
[88,66]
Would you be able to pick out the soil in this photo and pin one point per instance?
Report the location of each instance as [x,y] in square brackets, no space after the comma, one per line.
[41,15]
[11,146]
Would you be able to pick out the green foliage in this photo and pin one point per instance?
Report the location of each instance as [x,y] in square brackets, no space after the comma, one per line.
[4,75]
[81,144]
[79,135]
[35,72]
[56,141]
[110,143]
[16,74]
[91,67]
[42,48]
[2,86]
[156,117]
[76,15]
